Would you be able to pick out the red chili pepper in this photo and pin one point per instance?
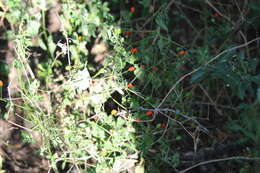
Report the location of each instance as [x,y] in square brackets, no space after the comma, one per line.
[182,52]
[132,9]
[128,33]
[216,14]
[132,68]
[149,113]
[154,68]
[163,125]
[130,85]
[134,50]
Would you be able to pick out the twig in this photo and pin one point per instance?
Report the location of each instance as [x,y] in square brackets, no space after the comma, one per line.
[210,104]
[176,83]
[231,49]
[189,118]
[197,69]
[156,110]
[220,160]
[22,127]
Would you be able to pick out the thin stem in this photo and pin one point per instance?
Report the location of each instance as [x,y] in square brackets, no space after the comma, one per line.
[220,160]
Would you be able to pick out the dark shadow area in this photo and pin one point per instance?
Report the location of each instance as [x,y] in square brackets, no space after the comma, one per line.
[169,41]
[200,27]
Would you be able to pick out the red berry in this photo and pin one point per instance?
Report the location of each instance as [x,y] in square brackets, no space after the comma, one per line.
[132,68]
[128,33]
[216,14]
[163,125]
[130,85]
[149,113]
[132,9]
[182,52]
[134,50]
[154,68]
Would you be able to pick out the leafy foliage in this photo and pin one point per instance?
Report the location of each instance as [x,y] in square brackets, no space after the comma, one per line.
[125,83]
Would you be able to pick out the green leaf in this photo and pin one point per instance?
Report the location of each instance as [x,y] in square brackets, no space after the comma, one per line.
[134,103]
[42,45]
[51,45]
[178,138]
[258,95]
[160,20]
[199,76]
[4,69]
[176,159]
[160,44]
[117,31]
[147,142]
[156,82]
[145,3]
[256,79]
[139,73]
[63,165]
[131,59]
[33,27]
[234,127]
[125,15]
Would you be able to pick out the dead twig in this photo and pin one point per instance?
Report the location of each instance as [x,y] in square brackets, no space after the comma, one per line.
[17,125]
[220,160]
